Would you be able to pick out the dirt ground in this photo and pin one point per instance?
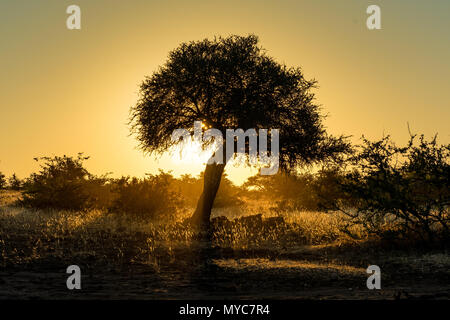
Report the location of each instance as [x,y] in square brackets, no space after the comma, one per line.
[301,274]
[253,261]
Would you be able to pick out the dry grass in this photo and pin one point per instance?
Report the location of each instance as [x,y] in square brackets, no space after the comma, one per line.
[33,235]
[27,236]
[284,266]
[258,255]
[8,198]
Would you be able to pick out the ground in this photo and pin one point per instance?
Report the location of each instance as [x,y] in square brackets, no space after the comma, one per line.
[260,257]
[300,277]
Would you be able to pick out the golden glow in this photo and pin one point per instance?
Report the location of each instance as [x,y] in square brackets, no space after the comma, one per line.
[190,152]
[69,91]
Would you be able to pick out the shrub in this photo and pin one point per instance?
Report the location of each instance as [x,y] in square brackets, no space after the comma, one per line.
[62,183]
[150,197]
[406,188]
[14,182]
[190,189]
[2,181]
[288,191]
[326,190]
[228,194]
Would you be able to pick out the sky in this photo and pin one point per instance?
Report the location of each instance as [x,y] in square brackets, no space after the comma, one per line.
[68,91]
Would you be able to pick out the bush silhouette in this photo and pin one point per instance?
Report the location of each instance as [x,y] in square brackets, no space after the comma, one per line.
[190,189]
[296,191]
[2,181]
[408,187]
[14,182]
[64,183]
[60,184]
[150,197]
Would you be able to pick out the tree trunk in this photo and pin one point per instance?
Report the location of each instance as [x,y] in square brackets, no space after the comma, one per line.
[212,177]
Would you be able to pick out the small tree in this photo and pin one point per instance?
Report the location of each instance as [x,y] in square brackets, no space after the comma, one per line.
[14,182]
[230,83]
[288,192]
[2,181]
[407,187]
[59,184]
[150,197]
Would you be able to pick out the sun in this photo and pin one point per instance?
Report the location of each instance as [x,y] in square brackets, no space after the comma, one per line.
[190,152]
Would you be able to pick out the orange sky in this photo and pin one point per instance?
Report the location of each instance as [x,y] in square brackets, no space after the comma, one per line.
[68,91]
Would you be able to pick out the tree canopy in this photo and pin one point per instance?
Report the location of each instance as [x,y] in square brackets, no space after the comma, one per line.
[232,83]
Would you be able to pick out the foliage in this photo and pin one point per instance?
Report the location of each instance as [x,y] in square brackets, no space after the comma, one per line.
[288,192]
[391,191]
[59,184]
[297,191]
[228,194]
[149,197]
[14,182]
[231,83]
[190,189]
[64,183]
[2,181]
[407,187]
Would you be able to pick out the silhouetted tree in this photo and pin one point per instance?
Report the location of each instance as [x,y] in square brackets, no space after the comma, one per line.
[151,197]
[14,182]
[408,187]
[59,184]
[2,181]
[231,83]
